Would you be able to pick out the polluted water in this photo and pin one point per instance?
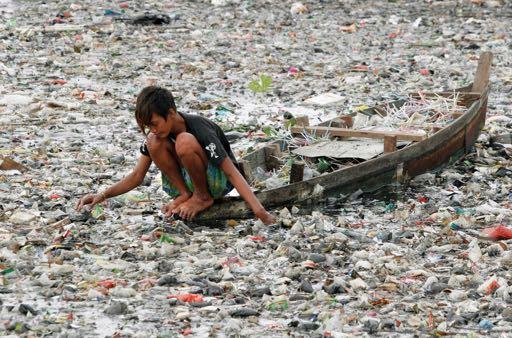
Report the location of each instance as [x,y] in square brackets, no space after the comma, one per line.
[430,257]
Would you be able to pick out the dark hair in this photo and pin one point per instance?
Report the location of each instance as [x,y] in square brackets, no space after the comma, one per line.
[153,99]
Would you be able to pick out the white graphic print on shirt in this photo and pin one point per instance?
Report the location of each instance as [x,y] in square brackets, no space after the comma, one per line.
[211,148]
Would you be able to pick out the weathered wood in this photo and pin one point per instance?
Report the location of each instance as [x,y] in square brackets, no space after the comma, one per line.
[246,170]
[344,132]
[435,129]
[463,98]
[349,121]
[482,72]
[445,146]
[469,95]
[296,172]
[389,144]
[362,175]
[272,155]
[302,120]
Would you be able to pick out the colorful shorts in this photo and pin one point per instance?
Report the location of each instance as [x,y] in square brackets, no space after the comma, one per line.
[218,183]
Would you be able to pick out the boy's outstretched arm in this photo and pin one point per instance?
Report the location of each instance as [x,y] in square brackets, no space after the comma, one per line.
[245,191]
[131,181]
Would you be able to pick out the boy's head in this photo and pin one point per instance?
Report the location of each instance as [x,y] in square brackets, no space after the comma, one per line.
[153,99]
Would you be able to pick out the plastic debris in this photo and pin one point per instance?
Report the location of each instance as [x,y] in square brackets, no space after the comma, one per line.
[429,255]
[498,233]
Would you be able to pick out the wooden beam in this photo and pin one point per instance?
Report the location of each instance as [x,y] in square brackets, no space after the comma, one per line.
[296,172]
[245,170]
[482,73]
[272,154]
[463,98]
[302,120]
[349,121]
[389,144]
[471,95]
[343,132]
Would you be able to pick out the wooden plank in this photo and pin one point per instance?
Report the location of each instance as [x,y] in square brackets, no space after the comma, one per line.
[463,98]
[302,120]
[469,95]
[349,121]
[246,170]
[272,155]
[344,132]
[296,172]
[389,144]
[482,72]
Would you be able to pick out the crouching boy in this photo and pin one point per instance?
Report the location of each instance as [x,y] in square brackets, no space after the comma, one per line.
[192,153]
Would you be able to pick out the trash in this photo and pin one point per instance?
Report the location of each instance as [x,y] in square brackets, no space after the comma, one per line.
[298,8]
[323,100]
[430,254]
[22,217]
[10,164]
[261,85]
[486,324]
[15,99]
[144,19]
[116,308]
[498,233]
[187,298]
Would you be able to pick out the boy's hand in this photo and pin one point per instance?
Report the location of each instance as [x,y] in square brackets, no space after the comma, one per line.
[266,217]
[90,199]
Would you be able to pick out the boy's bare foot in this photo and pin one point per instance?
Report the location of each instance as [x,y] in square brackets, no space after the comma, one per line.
[168,209]
[194,205]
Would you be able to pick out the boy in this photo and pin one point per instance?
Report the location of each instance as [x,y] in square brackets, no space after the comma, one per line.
[192,153]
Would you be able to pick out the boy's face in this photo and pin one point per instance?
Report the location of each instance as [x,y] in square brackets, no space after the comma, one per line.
[160,126]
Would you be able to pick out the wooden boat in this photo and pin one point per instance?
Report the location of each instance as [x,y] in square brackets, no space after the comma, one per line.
[444,146]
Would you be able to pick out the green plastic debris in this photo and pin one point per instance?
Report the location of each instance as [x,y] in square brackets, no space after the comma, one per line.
[222,110]
[290,123]
[464,212]
[390,207]
[7,271]
[166,238]
[137,197]
[268,130]
[261,85]
[279,305]
[323,165]
[11,23]
[97,211]
[454,226]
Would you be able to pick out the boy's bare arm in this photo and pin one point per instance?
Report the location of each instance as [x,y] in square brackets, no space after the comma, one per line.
[131,181]
[245,191]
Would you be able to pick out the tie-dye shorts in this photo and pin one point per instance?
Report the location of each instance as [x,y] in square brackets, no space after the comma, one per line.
[218,183]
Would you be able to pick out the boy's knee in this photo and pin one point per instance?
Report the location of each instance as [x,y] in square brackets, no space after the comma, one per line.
[153,142]
[186,143]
